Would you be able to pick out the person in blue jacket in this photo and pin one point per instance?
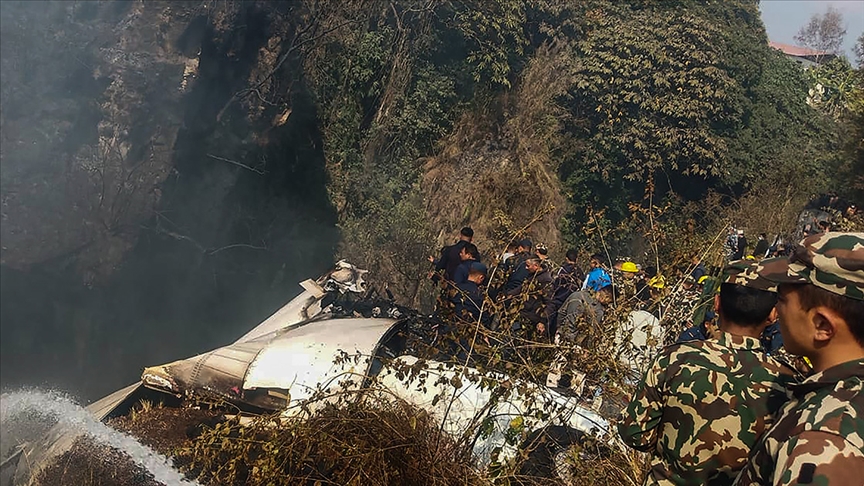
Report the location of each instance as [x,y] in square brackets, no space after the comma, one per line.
[597,277]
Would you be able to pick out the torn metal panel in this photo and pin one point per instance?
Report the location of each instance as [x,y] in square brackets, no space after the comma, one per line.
[261,372]
[303,358]
[220,371]
[105,407]
[343,279]
[637,340]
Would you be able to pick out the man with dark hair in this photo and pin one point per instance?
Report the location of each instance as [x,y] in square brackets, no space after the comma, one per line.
[744,305]
[698,269]
[580,320]
[467,255]
[512,249]
[448,261]
[741,248]
[737,301]
[731,244]
[469,296]
[819,435]
[582,310]
[524,248]
[534,291]
[541,251]
[520,271]
[702,405]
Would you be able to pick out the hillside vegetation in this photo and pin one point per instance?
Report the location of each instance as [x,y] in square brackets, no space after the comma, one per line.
[215,153]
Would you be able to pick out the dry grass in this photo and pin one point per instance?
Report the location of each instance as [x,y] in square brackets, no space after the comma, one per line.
[376,443]
[499,159]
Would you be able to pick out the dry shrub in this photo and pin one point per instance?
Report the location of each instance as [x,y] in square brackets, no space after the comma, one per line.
[378,442]
[164,429]
[772,205]
[499,158]
[89,463]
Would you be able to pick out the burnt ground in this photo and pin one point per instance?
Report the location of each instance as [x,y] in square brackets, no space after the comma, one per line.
[89,463]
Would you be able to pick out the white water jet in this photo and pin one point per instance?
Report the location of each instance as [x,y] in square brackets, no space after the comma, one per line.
[18,405]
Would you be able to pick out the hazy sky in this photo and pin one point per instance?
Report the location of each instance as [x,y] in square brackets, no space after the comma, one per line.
[783,18]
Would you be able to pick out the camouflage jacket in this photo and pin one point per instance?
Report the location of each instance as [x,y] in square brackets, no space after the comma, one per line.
[819,436]
[701,406]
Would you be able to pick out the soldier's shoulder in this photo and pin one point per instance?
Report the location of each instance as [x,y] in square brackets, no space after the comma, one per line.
[688,350]
[838,412]
[781,366]
[820,457]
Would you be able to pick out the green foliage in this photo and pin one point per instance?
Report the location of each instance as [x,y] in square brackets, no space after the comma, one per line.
[847,90]
[835,88]
[427,114]
[650,92]
[691,93]
[778,129]
[495,31]
[685,93]
[394,241]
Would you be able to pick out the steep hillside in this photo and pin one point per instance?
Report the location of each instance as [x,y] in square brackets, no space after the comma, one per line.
[172,169]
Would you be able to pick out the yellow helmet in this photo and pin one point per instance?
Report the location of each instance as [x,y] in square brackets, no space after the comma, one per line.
[657,281]
[629,267]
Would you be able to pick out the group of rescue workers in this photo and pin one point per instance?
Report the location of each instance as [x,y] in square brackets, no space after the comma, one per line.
[765,384]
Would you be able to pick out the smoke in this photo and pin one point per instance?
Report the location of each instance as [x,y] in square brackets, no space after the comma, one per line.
[127,239]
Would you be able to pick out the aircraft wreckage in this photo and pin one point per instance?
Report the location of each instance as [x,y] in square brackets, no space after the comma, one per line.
[280,364]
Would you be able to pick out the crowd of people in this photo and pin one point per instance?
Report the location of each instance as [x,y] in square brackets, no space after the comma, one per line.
[527,283]
[764,383]
[725,410]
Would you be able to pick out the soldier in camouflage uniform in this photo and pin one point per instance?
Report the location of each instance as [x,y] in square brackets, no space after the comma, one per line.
[819,435]
[702,405]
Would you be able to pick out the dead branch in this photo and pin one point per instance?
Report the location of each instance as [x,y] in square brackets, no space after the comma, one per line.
[282,59]
[238,164]
[200,247]
[236,245]
[178,236]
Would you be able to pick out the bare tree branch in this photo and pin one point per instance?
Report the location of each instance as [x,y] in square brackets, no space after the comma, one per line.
[236,245]
[282,59]
[823,32]
[238,164]
[200,247]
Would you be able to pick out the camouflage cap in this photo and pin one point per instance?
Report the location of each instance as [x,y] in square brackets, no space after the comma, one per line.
[832,261]
[744,272]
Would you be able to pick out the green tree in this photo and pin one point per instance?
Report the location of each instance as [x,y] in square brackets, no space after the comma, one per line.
[834,88]
[650,93]
[495,33]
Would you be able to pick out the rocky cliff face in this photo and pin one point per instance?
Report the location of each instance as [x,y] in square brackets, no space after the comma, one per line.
[147,208]
[91,110]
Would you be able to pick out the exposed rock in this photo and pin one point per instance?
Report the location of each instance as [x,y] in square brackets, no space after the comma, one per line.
[91,114]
